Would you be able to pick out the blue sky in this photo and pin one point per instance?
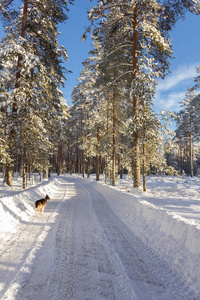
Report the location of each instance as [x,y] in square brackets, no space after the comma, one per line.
[70,37]
[171,90]
[186,46]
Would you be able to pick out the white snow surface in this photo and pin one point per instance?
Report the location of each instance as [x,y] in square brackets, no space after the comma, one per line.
[100,242]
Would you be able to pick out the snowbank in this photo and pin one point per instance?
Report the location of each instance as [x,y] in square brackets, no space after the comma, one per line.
[18,207]
[155,217]
[175,240]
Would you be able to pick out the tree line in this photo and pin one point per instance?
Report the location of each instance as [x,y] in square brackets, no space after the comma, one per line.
[33,110]
[110,127]
[187,134]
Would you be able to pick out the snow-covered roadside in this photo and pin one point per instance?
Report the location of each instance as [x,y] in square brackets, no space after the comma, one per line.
[179,196]
[154,217]
[18,205]
[176,240]
[20,250]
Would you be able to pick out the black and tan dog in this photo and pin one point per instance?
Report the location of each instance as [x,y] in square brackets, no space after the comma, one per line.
[41,204]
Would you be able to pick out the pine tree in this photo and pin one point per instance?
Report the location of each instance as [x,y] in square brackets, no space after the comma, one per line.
[188,127]
[143,46]
[32,50]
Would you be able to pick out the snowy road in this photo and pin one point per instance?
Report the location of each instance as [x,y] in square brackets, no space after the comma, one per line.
[80,249]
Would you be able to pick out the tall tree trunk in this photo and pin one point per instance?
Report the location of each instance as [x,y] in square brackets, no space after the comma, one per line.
[114,140]
[60,159]
[83,163]
[5,137]
[107,135]
[97,154]
[144,167]
[10,166]
[71,160]
[24,166]
[88,168]
[144,149]
[68,157]
[78,159]
[44,173]
[191,154]
[136,148]
[88,158]
[8,174]
[186,158]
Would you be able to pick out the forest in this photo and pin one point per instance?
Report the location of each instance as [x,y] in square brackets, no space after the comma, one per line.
[110,128]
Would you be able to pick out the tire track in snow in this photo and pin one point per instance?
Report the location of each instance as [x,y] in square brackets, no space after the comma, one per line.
[97,257]
[151,277]
[61,284]
[89,254]
[85,268]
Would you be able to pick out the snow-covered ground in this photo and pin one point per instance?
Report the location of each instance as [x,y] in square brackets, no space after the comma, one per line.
[100,242]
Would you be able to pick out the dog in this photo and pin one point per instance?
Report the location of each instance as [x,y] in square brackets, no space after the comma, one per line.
[40,204]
